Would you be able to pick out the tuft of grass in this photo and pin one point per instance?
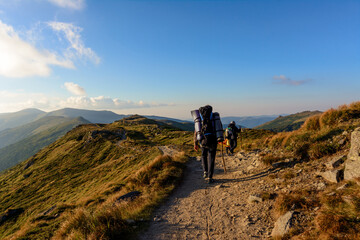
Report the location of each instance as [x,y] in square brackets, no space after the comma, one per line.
[270,158]
[294,201]
[268,195]
[288,174]
[312,123]
[321,149]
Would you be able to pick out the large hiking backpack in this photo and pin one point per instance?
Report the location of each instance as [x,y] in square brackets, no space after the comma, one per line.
[207,126]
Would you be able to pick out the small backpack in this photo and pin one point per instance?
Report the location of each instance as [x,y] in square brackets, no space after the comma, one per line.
[229,133]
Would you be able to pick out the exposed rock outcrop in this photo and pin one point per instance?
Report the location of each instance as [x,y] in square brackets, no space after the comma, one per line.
[335,162]
[352,165]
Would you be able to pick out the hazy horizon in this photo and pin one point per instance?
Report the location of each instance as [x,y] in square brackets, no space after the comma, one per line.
[134,113]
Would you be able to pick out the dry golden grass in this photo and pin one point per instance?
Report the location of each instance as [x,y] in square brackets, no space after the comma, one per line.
[110,220]
[294,201]
[312,123]
[269,159]
[321,149]
[339,214]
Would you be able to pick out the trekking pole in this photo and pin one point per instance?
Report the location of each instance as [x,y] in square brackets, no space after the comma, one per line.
[222,154]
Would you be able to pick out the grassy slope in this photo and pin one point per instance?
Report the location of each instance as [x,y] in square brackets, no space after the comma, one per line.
[84,171]
[320,138]
[288,123]
[13,135]
[186,126]
[41,136]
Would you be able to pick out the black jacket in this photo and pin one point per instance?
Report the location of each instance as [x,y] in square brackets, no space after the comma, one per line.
[234,129]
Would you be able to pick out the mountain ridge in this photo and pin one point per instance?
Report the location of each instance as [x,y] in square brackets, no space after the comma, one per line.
[19,151]
[288,123]
[14,119]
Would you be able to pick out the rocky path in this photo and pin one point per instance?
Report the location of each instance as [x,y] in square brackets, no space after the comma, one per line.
[222,210]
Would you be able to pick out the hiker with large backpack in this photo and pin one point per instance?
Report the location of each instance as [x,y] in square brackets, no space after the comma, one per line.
[208,132]
[231,134]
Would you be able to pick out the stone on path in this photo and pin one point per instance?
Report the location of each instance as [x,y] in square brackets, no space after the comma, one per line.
[334,176]
[282,225]
[254,198]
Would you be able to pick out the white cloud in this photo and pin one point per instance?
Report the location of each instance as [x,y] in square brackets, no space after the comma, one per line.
[19,59]
[11,101]
[102,102]
[73,4]
[77,47]
[18,100]
[75,88]
[282,79]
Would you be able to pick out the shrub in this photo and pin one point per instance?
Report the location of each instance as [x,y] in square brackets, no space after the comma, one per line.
[278,139]
[330,118]
[302,151]
[321,149]
[312,123]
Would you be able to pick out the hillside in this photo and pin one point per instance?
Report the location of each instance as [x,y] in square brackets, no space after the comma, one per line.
[11,120]
[91,115]
[316,182]
[287,123]
[13,135]
[303,184]
[34,136]
[79,180]
[186,126]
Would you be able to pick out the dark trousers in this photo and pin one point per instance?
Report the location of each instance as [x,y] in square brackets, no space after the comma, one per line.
[233,144]
[208,159]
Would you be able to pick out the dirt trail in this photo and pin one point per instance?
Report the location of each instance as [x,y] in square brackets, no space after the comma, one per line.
[198,210]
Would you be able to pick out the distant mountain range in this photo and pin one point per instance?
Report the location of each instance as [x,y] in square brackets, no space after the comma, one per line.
[10,120]
[90,115]
[24,133]
[249,121]
[32,141]
[13,135]
[288,123]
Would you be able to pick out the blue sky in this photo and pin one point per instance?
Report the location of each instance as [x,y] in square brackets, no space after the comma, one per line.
[169,57]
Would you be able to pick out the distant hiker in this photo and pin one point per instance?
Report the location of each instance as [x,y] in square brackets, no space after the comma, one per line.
[208,132]
[231,134]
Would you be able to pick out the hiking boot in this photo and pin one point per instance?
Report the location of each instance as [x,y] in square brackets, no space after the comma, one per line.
[211,180]
[205,175]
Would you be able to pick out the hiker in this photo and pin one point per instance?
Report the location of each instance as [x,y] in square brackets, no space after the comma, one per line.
[231,134]
[208,132]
